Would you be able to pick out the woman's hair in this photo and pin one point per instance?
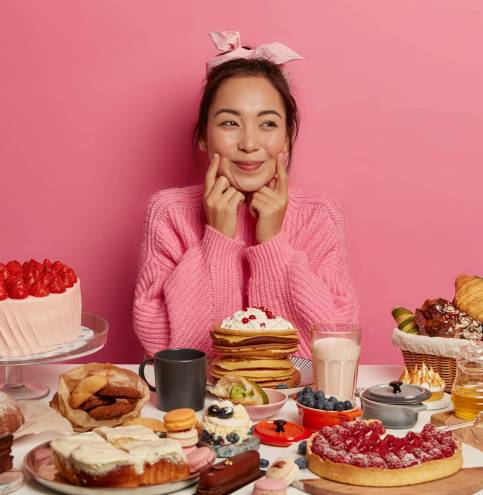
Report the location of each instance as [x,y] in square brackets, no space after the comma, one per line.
[246,68]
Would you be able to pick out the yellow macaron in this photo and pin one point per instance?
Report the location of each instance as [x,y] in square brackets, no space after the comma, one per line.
[180,419]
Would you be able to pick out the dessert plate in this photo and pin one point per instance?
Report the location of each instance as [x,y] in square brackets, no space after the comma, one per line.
[39,462]
[439,404]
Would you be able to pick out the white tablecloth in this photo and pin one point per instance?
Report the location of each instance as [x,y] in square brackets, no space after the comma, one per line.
[368,375]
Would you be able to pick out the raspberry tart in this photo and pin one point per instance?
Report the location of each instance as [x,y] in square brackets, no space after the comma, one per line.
[40,306]
[359,453]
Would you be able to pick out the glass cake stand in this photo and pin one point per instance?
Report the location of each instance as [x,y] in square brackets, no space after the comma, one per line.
[92,337]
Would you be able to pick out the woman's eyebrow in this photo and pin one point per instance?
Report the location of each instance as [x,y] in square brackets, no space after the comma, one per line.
[236,112]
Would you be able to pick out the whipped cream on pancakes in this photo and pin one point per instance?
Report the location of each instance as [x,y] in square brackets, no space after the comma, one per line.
[255,319]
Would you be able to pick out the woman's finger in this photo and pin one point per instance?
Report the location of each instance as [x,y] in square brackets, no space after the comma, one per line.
[210,176]
[272,184]
[282,176]
[221,185]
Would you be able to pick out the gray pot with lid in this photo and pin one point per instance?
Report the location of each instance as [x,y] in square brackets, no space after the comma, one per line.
[396,404]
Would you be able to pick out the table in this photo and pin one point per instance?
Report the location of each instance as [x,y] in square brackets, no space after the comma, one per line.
[368,375]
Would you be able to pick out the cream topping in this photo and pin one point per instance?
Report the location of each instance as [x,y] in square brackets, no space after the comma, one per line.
[239,423]
[259,320]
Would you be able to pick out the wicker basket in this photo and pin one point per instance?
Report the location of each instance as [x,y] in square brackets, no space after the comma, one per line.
[445,366]
[437,352]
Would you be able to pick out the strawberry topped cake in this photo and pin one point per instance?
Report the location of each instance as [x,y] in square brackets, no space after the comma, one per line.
[359,453]
[40,306]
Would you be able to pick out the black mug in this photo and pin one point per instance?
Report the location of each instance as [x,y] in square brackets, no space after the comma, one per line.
[180,378]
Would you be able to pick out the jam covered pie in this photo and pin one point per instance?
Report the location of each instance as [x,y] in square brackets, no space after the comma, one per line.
[359,453]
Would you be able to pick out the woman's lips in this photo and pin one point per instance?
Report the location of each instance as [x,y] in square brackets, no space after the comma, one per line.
[248,166]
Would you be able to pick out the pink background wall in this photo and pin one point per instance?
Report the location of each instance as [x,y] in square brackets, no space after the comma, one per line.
[97,103]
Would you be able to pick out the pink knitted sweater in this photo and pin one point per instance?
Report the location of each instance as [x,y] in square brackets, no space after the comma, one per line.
[191,276]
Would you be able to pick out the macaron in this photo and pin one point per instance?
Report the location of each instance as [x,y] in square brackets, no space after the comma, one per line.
[186,438]
[180,419]
[283,469]
[269,486]
[200,458]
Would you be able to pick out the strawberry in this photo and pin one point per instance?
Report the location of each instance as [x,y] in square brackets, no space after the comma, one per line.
[47,263]
[57,266]
[67,280]
[3,272]
[72,276]
[57,285]
[45,278]
[14,267]
[25,266]
[19,292]
[3,291]
[29,279]
[35,265]
[13,281]
[38,289]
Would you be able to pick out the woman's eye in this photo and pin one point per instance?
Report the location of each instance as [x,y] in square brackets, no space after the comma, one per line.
[269,123]
[229,123]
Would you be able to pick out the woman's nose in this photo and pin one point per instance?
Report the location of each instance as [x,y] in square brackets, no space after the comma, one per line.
[248,142]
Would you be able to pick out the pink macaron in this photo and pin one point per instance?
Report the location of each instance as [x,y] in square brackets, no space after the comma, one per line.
[200,458]
[270,486]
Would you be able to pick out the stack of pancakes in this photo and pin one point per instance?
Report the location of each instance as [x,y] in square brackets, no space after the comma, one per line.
[256,354]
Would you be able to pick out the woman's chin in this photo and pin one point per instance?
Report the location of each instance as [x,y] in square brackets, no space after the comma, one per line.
[249,184]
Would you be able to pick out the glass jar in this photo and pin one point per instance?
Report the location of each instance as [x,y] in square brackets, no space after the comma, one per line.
[467,393]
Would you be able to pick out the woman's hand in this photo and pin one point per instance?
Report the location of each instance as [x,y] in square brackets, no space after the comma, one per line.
[220,200]
[270,203]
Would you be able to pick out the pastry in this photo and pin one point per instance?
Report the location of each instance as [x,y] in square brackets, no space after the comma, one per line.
[226,428]
[269,486]
[239,390]
[227,476]
[6,458]
[255,344]
[427,378]
[11,417]
[405,320]
[469,296]
[79,401]
[179,419]
[440,318]
[359,453]
[283,469]
[40,307]
[200,459]
[119,457]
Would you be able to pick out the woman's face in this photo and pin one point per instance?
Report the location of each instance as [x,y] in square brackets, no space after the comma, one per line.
[246,127]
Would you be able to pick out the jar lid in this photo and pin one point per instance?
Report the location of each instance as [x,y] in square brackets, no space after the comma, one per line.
[397,392]
[280,433]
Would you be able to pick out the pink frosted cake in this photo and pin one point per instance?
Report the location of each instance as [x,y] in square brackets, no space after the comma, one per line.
[40,307]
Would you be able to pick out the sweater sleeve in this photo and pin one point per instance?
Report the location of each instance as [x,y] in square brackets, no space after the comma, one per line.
[181,291]
[310,283]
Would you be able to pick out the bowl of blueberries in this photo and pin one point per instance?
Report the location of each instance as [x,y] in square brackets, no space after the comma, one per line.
[316,410]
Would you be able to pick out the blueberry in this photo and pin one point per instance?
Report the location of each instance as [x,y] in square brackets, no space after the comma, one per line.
[339,406]
[348,405]
[225,413]
[213,410]
[332,399]
[307,390]
[329,406]
[218,440]
[206,436]
[264,463]
[302,447]
[299,395]
[282,385]
[319,404]
[301,463]
[319,395]
[233,437]
[310,402]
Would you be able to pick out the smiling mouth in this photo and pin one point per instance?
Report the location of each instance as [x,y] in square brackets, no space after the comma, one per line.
[248,166]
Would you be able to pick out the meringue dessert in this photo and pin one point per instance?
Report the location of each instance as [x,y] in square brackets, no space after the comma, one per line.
[427,378]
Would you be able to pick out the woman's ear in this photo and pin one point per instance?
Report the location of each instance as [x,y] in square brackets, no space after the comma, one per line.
[202,145]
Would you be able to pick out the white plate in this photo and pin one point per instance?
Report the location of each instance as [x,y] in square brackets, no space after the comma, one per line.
[439,404]
[39,462]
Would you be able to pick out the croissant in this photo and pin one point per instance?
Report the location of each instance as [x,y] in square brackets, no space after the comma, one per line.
[469,296]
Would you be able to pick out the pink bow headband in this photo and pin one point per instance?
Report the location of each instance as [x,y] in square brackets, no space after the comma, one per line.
[229,42]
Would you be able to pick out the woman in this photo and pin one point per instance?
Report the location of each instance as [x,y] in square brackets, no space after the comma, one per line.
[244,237]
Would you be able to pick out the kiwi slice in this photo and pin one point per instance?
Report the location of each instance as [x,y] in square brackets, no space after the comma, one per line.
[253,392]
